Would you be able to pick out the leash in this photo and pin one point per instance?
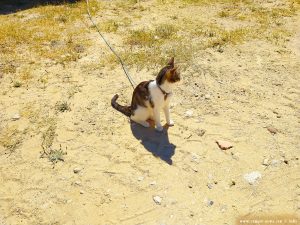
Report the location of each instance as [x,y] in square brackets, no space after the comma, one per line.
[110,47]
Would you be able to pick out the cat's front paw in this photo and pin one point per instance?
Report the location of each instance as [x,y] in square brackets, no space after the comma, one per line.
[159,128]
[170,123]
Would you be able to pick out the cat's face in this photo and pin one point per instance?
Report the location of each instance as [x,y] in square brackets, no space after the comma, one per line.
[168,74]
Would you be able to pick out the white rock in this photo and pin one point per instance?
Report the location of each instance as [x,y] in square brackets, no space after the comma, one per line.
[189,113]
[140,178]
[76,170]
[16,117]
[157,199]
[252,177]
[195,158]
[275,162]
[77,183]
[207,96]
[266,162]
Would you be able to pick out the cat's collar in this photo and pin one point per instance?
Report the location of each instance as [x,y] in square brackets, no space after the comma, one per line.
[164,92]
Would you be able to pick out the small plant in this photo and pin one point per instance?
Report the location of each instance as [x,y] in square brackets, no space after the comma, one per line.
[56,155]
[53,155]
[165,31]
[110,26]
[62,107]
[140,37]
[11,138]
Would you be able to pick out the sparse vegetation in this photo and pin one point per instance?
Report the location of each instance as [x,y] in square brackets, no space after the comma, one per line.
[62,106]
[53,155]
[10,138]
[238,61]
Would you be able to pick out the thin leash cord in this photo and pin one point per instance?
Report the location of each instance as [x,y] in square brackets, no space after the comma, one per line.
[111,48]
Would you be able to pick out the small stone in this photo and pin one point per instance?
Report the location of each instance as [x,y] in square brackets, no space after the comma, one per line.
[189,113]
[77,183]
[224,145]
[16,117]
[190,186]
[140,178]
[81,192]
[195,170]
[195,158]
[157,200]
[76,170]
[272,129]
[209,202]
[252,177]
[275,162]
[153,183]
[266,162]
[210,185]
[223,208]
[207,96]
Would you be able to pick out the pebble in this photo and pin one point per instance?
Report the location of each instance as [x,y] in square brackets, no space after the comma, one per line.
[195,170]
[252,177]
[275,162]
[195,158]
[209,202]
[77,183]
[266,162]
[140,178]
[157,200]
[153,183]
[16,117]
[189,113]
[209,185]
[207,96]
[224,145]
[76,170]
[272,129]
[223,208]
[81,192]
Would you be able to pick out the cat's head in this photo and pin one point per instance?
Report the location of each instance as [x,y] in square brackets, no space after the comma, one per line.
[169,73]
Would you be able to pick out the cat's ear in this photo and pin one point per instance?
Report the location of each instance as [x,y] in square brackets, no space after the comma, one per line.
[171,62]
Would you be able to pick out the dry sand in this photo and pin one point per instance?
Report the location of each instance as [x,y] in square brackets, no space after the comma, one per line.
[237,94]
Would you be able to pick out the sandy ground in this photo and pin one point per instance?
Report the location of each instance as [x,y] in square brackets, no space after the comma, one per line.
[235,96]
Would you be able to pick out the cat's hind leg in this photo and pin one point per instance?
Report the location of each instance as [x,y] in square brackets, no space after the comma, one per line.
[141,114]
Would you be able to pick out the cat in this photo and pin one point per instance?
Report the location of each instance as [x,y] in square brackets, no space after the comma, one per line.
[150,97]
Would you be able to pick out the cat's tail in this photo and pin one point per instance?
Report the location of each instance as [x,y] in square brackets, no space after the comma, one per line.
[126,110]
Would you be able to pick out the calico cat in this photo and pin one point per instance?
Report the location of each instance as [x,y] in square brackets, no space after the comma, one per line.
[150,97]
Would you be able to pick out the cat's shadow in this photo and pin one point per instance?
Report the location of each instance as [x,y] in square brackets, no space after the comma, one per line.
[155,142]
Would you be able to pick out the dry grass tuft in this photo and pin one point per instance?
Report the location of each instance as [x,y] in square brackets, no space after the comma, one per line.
[11,138]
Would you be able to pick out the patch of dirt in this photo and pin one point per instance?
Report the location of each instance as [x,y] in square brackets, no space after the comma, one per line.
[234,95]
